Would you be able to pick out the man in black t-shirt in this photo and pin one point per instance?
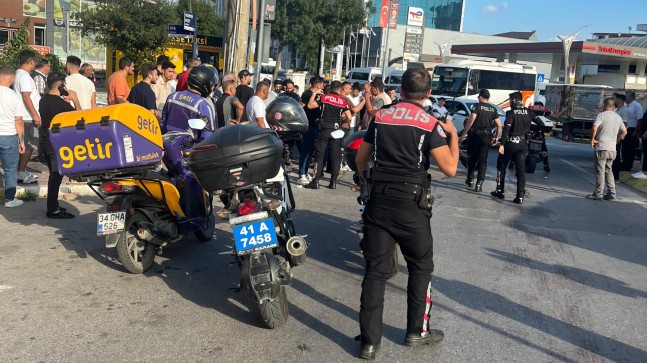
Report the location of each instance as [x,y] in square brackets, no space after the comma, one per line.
[290,90]
[309,137]
[399,141]
[334,113]
[244,92]
[51,105]
[479,129]
[142,94]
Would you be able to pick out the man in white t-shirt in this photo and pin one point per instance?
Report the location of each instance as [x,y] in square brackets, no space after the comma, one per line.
[439,109]
[11,135]
[255,107]
[357,101]
[25,88]
[80,84]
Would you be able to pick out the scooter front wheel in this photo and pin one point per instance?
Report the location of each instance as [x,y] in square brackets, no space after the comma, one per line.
[136,255]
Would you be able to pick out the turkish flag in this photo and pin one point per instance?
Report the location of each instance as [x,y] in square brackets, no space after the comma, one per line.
[384,14]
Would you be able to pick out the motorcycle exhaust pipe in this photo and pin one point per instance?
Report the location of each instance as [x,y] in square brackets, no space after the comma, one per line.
[297,247]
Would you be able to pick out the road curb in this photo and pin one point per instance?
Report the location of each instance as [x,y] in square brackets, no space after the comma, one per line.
[81,190]
[639,184]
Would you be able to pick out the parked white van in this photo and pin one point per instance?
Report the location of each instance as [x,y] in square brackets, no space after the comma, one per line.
[363,75]
[393,80]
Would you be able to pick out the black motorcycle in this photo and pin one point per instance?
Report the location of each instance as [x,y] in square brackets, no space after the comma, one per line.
[245,164]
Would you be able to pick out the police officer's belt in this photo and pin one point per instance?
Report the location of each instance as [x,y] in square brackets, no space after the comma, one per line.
[397,189]
[514,139]
[482,131]
[332,125]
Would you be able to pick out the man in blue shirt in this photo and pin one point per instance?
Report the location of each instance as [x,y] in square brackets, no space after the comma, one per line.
[184,105]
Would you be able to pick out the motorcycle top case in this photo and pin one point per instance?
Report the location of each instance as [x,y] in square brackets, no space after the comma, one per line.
[236,156]
[90,142]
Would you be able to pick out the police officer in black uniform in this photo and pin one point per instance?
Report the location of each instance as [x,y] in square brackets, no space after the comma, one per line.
[399,141]
[479,129]
[514,146]
[334,113]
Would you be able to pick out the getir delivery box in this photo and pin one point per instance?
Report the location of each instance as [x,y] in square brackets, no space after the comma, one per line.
[111,138]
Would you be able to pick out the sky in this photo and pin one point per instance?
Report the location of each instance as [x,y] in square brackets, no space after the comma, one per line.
[551,18]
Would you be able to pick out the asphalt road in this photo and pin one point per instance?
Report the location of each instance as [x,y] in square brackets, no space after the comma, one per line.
[560,278]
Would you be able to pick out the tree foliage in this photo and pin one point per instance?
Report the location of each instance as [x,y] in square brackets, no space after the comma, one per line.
[20,42]
[305,23]
[209,23]
[135,27]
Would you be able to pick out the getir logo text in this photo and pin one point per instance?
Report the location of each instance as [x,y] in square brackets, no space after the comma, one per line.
[83,152]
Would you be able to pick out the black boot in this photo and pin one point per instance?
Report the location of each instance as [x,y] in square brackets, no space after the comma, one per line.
[469,182]
[519,198]
[500,182]
[314,184]
[498,194]
[479,186]
[432,336]
[369,351]
[333,184]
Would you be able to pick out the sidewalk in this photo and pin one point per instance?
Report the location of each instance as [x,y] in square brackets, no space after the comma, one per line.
[638,184]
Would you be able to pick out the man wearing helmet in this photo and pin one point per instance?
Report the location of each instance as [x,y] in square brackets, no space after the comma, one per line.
[184,105]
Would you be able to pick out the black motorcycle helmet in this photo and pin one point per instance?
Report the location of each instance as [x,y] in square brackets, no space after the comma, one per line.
[286,116]
[201,79]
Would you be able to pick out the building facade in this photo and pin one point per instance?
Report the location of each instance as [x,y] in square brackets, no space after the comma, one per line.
[438,14]
[12,16]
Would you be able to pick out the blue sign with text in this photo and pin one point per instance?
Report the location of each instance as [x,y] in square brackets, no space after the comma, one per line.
[189,22]
[178,29]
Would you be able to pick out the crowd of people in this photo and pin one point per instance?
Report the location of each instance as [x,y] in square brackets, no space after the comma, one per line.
[31,96]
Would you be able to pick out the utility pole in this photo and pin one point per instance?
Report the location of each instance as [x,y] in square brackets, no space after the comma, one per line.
[261,42]
[241,29]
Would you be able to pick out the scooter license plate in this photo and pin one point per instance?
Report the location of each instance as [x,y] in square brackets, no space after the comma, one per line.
[535,146]
[110,223]
[254,236]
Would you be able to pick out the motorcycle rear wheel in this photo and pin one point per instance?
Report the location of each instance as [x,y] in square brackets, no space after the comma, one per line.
[206,234]
[531,163]
[135,255]
[274,313]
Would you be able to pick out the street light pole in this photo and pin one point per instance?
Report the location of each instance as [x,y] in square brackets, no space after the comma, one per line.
[567,42]
[442,48]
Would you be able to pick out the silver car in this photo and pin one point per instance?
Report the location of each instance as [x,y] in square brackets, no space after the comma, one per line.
[462,109]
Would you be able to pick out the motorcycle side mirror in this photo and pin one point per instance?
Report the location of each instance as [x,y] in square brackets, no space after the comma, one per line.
[197,123]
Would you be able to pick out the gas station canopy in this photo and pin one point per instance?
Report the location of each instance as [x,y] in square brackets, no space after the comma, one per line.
[603,51]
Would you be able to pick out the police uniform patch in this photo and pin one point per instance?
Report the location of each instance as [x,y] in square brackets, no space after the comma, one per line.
[441,132]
